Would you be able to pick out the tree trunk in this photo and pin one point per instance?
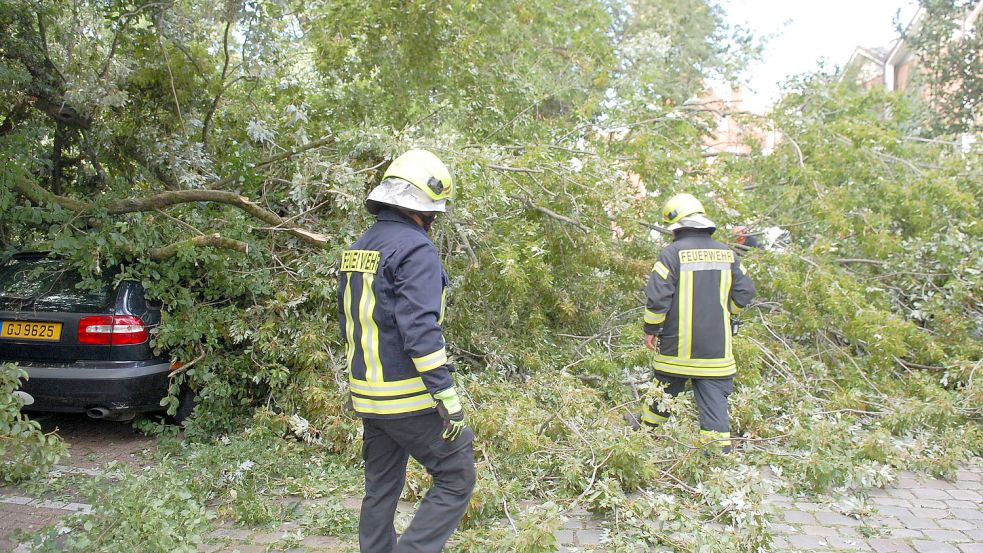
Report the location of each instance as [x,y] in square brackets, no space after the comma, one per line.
[57,158]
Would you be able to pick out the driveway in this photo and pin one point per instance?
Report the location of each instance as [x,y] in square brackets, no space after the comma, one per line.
[92,445]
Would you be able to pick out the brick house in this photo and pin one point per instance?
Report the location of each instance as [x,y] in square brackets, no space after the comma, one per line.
[894,67]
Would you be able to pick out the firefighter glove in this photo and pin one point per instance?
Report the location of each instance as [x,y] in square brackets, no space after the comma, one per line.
[449,408]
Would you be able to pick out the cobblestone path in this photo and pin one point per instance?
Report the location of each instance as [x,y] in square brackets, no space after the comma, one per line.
[916,514]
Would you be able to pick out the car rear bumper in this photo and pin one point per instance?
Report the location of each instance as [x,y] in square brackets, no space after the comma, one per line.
[128,386]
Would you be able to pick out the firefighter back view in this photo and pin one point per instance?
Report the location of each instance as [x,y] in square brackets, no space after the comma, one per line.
[695,287]
[391,300]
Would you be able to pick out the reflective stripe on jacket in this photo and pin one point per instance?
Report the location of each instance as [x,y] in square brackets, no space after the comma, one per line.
[694,287]
[390,308]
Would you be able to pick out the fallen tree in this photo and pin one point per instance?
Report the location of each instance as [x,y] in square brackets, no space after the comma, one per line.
[187,165]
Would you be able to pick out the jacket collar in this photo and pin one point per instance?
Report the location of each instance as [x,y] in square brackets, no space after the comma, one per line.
[386,214]
[691,232]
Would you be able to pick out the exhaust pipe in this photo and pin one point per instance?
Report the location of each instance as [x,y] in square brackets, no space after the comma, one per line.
[97,412]
[24,397]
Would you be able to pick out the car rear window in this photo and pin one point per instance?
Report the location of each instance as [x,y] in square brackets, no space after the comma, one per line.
[45,284]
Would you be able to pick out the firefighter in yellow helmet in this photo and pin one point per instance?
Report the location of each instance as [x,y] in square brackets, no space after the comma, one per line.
[391,307]
[695,286]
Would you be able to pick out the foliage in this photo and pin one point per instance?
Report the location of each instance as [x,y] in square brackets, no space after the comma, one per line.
[871,326]
[158,101]
[25,449]
[245,477]
[948,47]
[567,124]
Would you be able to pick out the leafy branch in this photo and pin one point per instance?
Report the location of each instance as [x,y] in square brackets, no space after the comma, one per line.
[26,186]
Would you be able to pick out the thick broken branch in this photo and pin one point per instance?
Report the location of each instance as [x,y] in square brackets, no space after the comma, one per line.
[932,141]
[209,240]
[28,188]
[166,199]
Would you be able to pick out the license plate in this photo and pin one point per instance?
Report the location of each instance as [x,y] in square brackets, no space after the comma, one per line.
[23,330]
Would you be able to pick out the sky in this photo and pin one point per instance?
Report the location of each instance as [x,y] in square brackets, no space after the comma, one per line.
[806,32]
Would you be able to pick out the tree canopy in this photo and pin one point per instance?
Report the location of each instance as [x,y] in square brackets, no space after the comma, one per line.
[164,137]
[947,44]
[220,153]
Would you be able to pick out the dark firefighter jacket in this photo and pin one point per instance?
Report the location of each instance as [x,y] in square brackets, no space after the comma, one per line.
[390,308]
[695,286]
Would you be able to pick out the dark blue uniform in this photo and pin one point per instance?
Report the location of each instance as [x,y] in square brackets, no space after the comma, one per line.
[695,287]
[391,303]
[391,300]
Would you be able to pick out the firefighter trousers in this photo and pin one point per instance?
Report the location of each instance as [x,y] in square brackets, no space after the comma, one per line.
[386,447]
[711,400]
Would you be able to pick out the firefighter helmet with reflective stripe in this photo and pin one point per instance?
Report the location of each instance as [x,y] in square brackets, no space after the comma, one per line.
[416,180]
[680,206]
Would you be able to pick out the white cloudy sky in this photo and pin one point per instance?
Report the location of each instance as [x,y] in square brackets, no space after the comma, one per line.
[808,31]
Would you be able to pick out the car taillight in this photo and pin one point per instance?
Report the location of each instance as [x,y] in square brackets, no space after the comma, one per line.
[108,330]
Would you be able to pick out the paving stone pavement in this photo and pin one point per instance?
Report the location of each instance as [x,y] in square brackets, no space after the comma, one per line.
[915,514]
[92,445]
